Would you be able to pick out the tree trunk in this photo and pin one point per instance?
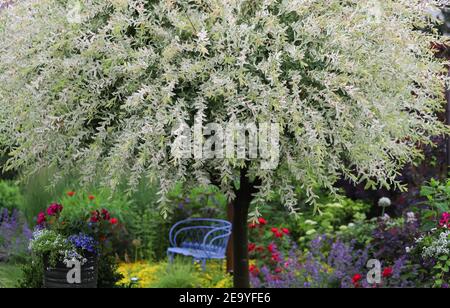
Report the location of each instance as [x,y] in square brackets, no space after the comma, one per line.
[447,96]
[240,232]
[230,215]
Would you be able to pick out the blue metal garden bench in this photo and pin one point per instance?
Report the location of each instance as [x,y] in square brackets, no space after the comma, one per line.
[200,238]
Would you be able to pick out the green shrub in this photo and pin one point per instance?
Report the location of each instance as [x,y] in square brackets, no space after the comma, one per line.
[108,276]
[329,216]
[10,196]
[437,194]
[178,275]
[32,275]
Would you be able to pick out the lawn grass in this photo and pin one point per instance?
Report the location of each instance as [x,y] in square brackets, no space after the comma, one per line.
[10,274]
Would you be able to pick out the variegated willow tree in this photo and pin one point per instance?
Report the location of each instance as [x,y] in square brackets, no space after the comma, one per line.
[100,85]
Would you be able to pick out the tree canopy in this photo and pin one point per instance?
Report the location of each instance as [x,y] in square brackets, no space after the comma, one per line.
[354,86]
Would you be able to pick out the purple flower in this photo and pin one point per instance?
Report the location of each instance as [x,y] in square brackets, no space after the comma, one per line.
[84,242]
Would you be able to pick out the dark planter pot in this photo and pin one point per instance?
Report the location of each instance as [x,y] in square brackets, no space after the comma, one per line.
[56,277]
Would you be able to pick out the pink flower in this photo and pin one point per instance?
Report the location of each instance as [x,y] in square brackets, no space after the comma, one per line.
[41,218]
[54,209]
[445,220]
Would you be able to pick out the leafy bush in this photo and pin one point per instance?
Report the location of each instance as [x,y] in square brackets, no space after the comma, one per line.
[32,275]
[108,274]
[178,275]
[330,216]
[437,194]
[10,196]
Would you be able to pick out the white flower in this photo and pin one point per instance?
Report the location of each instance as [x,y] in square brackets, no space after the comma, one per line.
[203,36]
[384,202]
[386,217]
[411,218]
[203,42]
[439,247]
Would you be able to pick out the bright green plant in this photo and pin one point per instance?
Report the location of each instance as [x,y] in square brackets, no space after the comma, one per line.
[437,194]
[10,196]
[178,275]
[32,275]
[331,215]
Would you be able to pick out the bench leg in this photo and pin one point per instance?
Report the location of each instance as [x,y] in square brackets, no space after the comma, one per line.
[170,256]
[204,265]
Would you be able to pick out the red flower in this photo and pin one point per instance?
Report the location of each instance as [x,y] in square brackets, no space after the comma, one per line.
[251,247]
[274,230]
[252,226]
[254,269]
[41,218]
[262,221]
[271,248]
[71,193]
[278,270]
[91,197]
[95,217]
[276,257]
[106,215]
[356,280]
[388,272]
[279,234]
[286,231]
[54,209]
[114,221]
[260,249]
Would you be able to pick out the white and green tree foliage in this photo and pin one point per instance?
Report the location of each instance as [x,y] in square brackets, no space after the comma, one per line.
[353,84]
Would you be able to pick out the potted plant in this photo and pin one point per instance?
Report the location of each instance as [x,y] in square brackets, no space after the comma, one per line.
[70,250]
